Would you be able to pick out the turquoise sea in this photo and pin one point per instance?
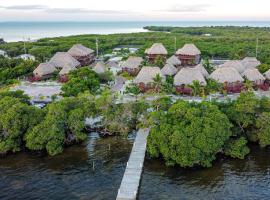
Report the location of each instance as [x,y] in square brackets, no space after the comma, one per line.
[18,31]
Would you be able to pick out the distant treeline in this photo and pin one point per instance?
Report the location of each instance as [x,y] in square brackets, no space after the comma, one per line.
[214,42]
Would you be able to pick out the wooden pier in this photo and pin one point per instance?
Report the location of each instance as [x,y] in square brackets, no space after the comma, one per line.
[131,179]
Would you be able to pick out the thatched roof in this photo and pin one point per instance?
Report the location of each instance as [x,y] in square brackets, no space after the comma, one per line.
[187,75]
[253,74]
[147,75]
[133,62]
[236,64]
[100,68]
[251,62]
[202,70]
[267,74]
[226,74]
[79,50]
[65,70]
[169,70]
[188,49]
[44,69]
[173,60]
[62,59]
[157,49]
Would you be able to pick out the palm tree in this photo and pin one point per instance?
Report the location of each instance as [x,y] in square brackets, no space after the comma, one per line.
[196,88]
[158,82]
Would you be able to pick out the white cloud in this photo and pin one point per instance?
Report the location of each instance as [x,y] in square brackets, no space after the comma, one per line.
[134,10]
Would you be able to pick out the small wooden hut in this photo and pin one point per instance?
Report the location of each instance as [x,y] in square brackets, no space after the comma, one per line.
[201,68]
[83,54]
[155,51]
[145,78]
[253,75]
[185,77]
[189,55]
[63,74]
[230,77]
[132,65]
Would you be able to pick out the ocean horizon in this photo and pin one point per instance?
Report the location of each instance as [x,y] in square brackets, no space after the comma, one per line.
[19,31]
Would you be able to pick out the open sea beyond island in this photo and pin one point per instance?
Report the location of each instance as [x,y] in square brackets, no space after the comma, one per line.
[18,31]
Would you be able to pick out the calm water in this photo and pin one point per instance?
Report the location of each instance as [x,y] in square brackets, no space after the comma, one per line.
[18,31]
[72,176]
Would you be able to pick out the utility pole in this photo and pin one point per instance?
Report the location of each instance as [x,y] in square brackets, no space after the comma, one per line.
[24,46]
[257,44]
[174,44]
[97,47]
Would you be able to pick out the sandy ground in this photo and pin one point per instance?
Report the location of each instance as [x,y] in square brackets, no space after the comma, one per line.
[39,90]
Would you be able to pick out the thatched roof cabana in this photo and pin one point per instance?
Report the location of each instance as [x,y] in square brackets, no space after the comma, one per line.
[44,69]
[267,75]
[187,75]
[148,74]
[236,64]
[201,68]
[226,75]
[62,59]
[251,62]
[100,68]
[253,74]
[79,50]
[157,49]
[173,60]
[133,62]
[169,70]
[188,49]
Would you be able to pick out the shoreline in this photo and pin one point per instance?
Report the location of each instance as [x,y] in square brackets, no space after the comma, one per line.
[22,31]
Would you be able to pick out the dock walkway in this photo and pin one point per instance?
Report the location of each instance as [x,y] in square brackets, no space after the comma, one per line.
[131,179]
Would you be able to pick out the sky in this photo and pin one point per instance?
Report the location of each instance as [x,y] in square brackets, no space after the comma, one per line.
[134,10]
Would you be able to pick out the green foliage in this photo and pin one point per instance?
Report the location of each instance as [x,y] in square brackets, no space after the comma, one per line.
[16,119]
[11,69]
[196,88]
[264,68]
[134,89]
[208,66]
[188,134]
[237,148]
[16,94]
[62,125]
[81,80]
[213,86]
[159,61]
[263,132]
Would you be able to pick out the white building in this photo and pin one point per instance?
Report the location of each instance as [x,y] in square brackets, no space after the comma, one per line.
[27,57]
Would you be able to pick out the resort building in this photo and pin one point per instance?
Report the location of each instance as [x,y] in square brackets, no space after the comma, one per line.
[114,67]
[64,72]
[26,57]
[132,65]
[189,55]
[83,54]
[236,64]
[253,75]
[62,59]
[185,77]
[169,70]
[3,53]
[251,62]
[230,77]
[44,70]
[157,50]
[100,67]
[173,60]
[145,79]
